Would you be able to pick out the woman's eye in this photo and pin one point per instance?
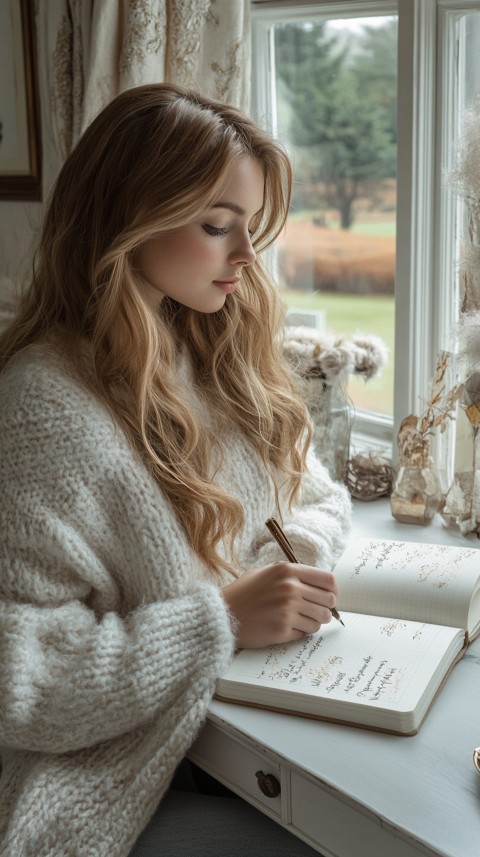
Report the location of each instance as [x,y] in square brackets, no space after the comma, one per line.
[214,230]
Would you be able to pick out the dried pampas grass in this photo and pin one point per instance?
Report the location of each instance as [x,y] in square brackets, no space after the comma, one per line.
[464,178]
[468,339]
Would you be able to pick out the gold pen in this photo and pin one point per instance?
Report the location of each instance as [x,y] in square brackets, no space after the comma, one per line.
[285,545]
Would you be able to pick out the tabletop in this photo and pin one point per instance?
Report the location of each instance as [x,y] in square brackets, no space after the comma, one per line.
[352,792]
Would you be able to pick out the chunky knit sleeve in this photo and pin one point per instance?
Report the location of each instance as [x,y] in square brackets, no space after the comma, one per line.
[318,524]
[68,681]
[103,625]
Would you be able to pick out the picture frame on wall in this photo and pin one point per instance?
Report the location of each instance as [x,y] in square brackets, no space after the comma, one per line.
[20,145]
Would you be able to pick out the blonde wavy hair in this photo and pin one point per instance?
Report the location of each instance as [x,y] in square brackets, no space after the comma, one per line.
[154,158]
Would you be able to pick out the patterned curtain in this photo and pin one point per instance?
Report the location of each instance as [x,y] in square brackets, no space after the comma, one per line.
[89,51]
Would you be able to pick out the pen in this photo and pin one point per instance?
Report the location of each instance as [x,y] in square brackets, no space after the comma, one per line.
[285,545]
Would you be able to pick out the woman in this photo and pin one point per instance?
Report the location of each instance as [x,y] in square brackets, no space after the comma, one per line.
[148,428]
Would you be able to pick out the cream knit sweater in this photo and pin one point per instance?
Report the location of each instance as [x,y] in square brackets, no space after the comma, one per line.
[111,632]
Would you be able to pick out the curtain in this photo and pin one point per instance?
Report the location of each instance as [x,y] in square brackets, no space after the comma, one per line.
[90,50]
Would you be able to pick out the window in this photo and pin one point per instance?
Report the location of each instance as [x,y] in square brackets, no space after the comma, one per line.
[373,236]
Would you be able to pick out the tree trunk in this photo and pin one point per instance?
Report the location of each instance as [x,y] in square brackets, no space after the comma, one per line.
[345,210]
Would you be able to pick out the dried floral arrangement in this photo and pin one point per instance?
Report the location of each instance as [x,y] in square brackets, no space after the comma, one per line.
[462,502]
[459,405]
[324,362]
[333,358]
[439,411]
[464,179]
[417,491]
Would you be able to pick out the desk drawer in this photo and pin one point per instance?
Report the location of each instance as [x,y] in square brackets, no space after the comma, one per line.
[235,764]
[337,827]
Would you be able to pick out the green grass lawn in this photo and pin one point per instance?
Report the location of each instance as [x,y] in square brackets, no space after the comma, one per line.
[349,314]
[384,228]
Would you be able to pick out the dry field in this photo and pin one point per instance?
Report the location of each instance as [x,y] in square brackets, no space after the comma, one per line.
[315,258]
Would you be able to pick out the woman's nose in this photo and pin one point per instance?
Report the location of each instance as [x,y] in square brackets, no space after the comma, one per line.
[243,254]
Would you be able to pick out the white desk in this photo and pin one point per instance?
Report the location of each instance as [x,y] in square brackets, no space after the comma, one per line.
[349,792]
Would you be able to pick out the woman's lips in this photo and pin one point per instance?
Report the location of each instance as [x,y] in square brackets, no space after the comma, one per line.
[226,286]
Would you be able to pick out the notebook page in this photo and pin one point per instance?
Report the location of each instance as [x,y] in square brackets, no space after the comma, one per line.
[409,580]
[373,662]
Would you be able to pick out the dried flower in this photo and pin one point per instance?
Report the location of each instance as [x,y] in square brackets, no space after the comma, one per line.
[468,337]
[440,408]
[371,355]
[465,176]
[464,179]
[333,358]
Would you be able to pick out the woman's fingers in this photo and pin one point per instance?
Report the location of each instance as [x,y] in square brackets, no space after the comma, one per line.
[317,578]
[279,603]
[325,597]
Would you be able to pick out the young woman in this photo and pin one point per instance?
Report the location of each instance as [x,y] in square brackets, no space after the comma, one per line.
[148,428]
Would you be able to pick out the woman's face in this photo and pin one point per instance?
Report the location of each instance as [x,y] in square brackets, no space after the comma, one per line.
[200,263]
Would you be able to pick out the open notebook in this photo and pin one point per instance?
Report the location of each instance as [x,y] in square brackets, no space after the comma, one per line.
[409,611]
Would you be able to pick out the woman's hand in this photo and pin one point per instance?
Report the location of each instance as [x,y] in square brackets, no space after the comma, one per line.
[281,602]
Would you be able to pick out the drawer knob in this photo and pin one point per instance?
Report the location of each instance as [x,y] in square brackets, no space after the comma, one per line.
[268,784]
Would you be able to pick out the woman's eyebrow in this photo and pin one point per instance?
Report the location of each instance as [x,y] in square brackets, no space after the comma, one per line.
[232,206]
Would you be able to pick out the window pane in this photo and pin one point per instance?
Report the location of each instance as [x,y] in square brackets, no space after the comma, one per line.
[335,102]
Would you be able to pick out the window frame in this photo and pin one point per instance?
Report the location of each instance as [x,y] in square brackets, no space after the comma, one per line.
[425,311]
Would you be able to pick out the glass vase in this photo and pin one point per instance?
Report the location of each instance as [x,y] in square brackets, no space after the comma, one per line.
[417,494]
[462,502]
[331,412]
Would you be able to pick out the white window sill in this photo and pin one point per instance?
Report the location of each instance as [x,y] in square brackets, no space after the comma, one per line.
[374,520]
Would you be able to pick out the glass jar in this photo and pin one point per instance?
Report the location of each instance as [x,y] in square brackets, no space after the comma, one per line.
[462,503]
[417,494]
